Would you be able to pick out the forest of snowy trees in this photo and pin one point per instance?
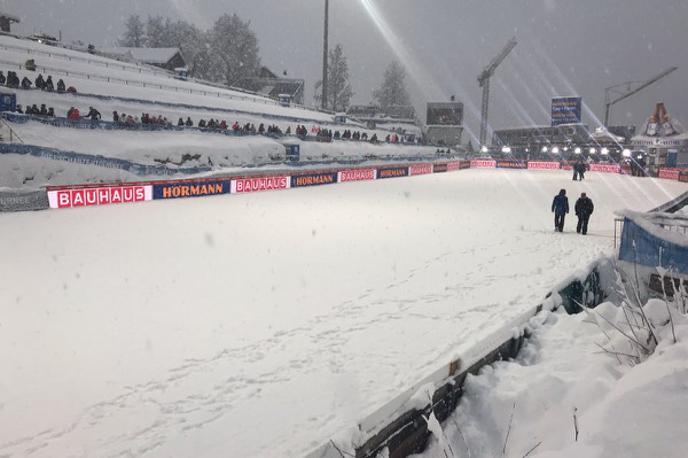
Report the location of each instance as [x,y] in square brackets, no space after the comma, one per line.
[229,51]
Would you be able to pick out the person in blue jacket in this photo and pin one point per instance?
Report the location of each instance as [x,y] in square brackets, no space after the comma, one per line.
[560,207]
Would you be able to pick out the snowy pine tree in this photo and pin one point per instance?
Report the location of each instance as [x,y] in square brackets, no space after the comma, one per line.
[233,50]
[134,34]
[393,91]
[339,90]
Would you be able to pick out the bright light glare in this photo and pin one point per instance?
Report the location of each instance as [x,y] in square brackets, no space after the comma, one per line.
[605,151]
[555,150]
[506,149]
[577,150]
[627,153]
[544,149]
[593,150]
[484,149]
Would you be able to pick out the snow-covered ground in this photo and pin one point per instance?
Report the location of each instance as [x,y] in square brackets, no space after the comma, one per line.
[621,409]
[261,325]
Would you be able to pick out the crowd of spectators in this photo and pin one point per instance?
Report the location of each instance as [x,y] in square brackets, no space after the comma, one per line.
[35,111]
[44,84]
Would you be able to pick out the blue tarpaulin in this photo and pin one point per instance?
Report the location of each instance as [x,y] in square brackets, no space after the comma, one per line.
[649,248]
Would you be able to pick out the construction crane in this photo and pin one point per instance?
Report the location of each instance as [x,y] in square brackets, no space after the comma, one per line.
[484,80]
[623,91]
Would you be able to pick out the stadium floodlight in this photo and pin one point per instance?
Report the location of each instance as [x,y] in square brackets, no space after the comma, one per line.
[605,151]
[640,156]
[506,149]
[484,149]
[566,148]
[544,149]
[593,151]
[555,150]
[626,152]
[527,150]
[577,150]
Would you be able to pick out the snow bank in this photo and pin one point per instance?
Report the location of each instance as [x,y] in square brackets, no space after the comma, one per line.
[620,409]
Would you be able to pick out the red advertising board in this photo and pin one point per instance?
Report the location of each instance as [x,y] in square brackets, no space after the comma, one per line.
[453,165]
[606,168]
[244,185]
[357,175]
[483,164]
[670,174]
[544,165]
[98,195]
[420,169]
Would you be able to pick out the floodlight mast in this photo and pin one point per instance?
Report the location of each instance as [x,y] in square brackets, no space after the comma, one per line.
[631,88]
[484,80]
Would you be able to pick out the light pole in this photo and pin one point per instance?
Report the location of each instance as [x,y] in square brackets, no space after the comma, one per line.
[324,75]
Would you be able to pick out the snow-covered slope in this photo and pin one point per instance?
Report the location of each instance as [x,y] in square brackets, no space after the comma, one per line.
[261,325]
[620,409]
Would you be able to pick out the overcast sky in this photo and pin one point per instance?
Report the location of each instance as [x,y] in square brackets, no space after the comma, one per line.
[565,47]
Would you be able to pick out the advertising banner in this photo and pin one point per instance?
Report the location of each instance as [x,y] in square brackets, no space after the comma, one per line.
[180,189]
[101,195]
[357,175]
[670,174]
[420,169]
[606,168]
[456,165]
[511,164]
[483,164]
[313,179]
[544,165]
[566,110]
[392,172]
[12,201]
[440,168]
[244,185]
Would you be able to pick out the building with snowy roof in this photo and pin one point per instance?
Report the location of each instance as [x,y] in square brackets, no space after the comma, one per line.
[269,84]
[6,21]
[167,58]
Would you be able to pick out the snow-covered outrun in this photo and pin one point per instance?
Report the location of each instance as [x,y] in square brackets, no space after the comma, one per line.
[263,325]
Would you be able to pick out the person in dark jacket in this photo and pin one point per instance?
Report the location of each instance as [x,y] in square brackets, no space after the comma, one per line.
[61,88]
[51,112]
[189,122]
[93,114]
[12,80]
[584,208]
[39,81]
[560,207]
[582,168]
[2,78]
[48,85]
[44,110]
[26,83]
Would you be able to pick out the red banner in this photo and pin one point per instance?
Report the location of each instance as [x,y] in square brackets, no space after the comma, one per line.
[606,168]
[670,174]
[420,169]
[357,175]
[543,165]
[93,196]
[244,185]
[483,164]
